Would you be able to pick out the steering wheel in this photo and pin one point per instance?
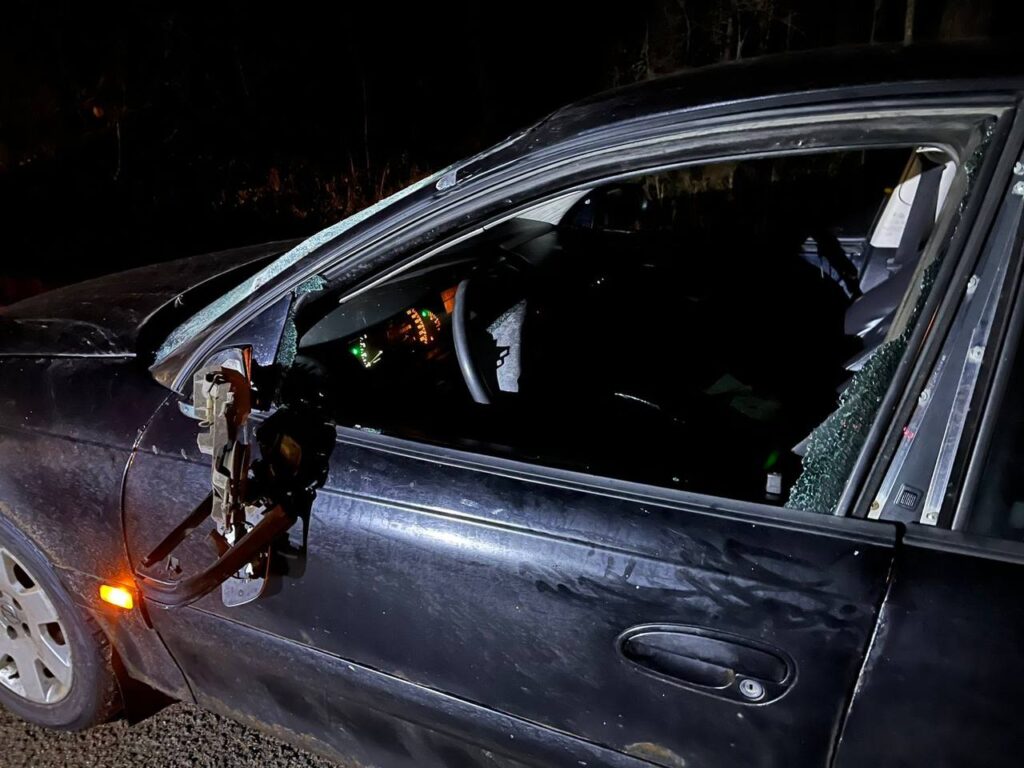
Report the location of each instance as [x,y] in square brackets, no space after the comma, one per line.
[460,333]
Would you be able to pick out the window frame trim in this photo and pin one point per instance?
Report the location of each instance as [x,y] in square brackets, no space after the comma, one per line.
[1009,348]
[977,443]
[868,532]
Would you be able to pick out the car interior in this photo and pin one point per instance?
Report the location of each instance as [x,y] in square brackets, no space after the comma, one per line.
[688,328]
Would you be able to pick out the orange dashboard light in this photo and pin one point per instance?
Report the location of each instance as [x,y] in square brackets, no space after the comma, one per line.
[448,297]
[118,596]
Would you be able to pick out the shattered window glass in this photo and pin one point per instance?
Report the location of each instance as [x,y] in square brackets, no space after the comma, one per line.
[833,447]
[236,295]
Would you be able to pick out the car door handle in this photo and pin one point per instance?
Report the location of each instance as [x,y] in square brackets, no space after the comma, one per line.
[714,662]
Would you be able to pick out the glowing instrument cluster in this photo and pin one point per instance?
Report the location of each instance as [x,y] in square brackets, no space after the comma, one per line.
[367,353]
[415,329]
[421,327]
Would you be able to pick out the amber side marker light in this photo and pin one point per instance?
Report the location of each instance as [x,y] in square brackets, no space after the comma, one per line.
[118,596]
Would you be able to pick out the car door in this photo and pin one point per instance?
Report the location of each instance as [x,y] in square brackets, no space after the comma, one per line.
[447,605]
[941,680]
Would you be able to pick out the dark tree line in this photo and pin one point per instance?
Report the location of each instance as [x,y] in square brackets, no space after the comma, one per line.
[131,133]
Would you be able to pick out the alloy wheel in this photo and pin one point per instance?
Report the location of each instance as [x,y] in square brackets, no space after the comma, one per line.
[35,656]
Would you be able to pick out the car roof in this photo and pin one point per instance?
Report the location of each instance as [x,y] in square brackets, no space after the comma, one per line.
[780,74]
[848,71]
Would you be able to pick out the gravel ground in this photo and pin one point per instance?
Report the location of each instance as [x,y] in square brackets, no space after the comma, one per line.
[180,735]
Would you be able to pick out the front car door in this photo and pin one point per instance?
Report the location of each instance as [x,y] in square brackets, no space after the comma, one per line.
[454,608]
[635,621]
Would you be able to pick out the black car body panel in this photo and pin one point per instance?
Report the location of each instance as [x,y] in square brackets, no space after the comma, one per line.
[530,587]
[104,316]
[63,459]
[357,714]
[451,610]
[940,675]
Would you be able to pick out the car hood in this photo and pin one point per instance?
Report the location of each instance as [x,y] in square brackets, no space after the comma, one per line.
[105,317]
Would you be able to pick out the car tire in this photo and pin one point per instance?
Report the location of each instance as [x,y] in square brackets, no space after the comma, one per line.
[90,694]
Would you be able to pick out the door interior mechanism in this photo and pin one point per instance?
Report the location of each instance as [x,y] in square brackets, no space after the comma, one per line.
[251,503]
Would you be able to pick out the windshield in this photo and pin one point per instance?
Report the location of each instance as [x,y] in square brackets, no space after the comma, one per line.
[246,288]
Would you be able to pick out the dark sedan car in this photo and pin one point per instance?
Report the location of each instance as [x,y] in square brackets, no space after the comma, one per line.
[683,428]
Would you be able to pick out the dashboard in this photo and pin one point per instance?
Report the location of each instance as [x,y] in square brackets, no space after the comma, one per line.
[393,342]
[395,339]
[415,330]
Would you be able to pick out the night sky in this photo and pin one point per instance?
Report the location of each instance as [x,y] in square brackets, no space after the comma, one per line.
[130,135]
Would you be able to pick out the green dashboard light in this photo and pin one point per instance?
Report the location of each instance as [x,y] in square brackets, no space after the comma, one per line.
[356,351]
[424,313]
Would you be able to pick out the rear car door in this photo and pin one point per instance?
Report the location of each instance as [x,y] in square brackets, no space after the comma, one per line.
[942,678]
[449,606]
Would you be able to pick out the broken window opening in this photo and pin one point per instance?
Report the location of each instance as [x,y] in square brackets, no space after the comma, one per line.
[251,285]
[726,328]
[832,449]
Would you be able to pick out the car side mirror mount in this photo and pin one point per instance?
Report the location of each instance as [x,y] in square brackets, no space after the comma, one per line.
[251,503]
